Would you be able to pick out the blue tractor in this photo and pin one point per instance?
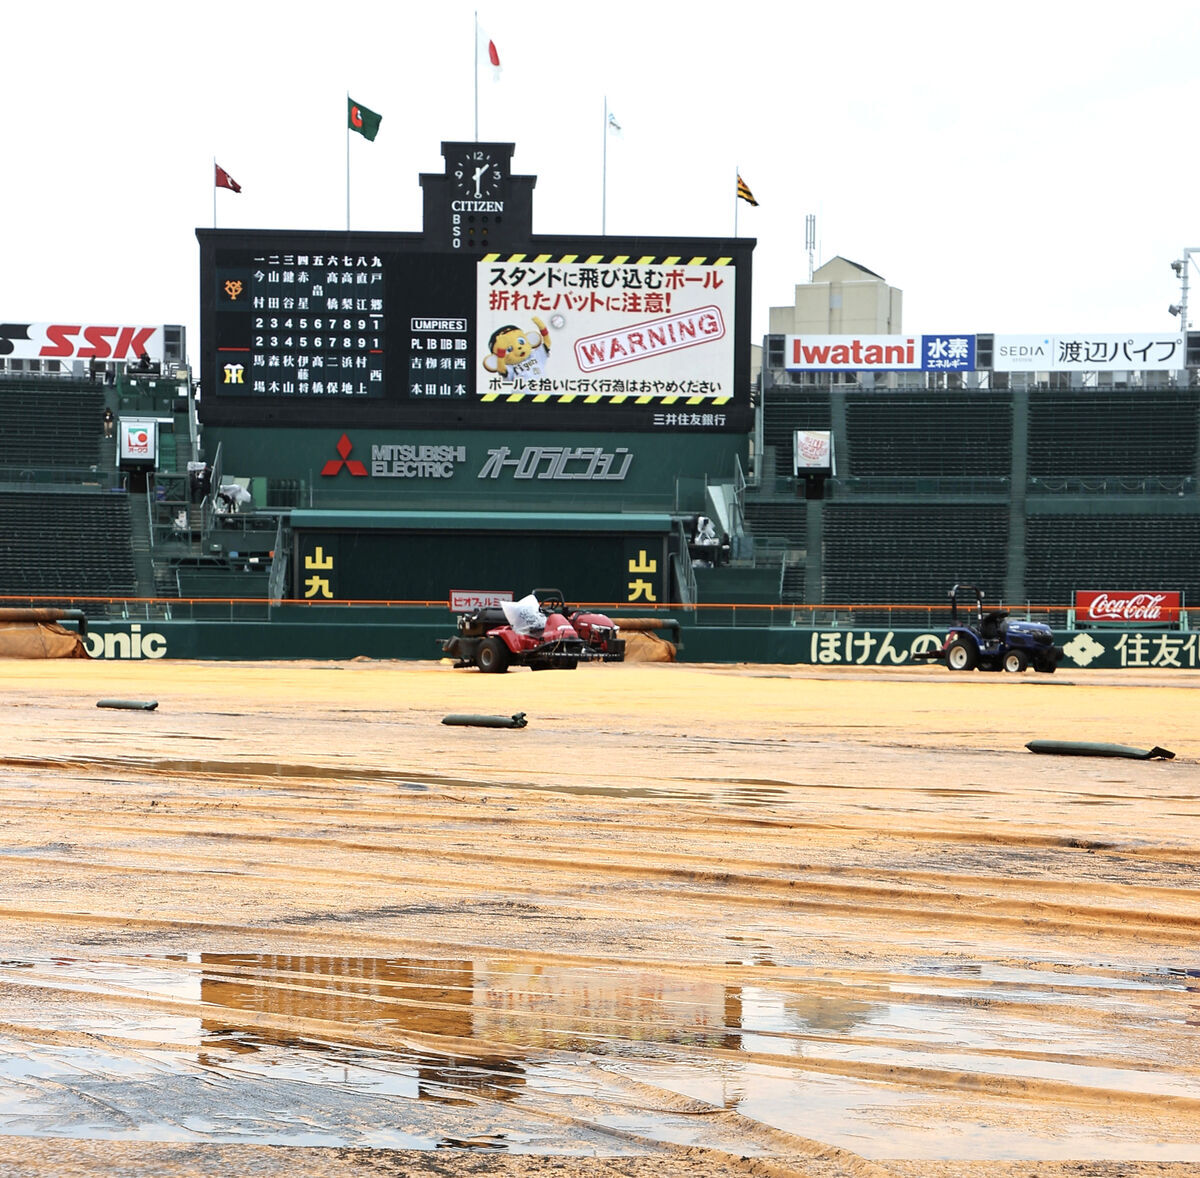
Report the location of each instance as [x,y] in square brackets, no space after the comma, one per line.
[993,641]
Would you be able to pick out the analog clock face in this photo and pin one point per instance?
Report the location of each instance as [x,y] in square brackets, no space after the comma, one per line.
[477,175]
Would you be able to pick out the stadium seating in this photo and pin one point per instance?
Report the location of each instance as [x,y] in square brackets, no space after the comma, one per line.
[50,422]
[1030,491]
[791,410]
[1142,433]
[65,544]
[1135,552]
[927,435]
[910,553]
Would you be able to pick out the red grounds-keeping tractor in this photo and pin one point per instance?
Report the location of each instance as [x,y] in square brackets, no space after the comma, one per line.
[538,632]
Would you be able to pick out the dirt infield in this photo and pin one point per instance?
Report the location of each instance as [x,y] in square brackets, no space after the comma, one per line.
[690,920]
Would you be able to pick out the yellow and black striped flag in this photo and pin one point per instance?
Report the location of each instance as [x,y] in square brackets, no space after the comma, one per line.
[744,191]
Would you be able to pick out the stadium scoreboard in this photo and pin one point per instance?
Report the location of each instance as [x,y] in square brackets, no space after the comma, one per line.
[475,323]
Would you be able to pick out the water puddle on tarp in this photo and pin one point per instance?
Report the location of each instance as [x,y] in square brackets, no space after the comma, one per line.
[540,1056]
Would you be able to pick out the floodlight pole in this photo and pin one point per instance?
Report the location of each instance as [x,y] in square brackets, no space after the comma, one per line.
[1181,268]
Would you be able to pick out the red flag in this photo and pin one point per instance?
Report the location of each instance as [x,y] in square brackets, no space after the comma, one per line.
[225,180]
[493,56]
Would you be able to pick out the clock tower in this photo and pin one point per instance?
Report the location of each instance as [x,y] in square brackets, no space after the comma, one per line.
[477,205]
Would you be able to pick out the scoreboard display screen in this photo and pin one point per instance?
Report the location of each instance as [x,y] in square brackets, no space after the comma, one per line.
[302,325]
[377,329]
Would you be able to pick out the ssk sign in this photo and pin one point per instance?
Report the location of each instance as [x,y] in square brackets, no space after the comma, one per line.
[78,341]
[1103,606]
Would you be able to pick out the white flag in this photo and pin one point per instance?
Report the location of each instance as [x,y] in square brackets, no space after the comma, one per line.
[489,55]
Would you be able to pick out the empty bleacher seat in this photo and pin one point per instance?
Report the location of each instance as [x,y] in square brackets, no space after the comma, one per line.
[50,422]
[1090,433]
[66,544]
[1143,552]
[927,435]
[911,553]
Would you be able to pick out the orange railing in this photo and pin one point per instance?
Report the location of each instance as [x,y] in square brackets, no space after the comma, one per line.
[754,614]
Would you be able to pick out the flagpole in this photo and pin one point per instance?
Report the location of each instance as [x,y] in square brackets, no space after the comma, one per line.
[214,173]
[347,163]
[604,174]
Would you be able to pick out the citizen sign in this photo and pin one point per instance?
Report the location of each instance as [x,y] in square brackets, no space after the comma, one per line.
[1102,606]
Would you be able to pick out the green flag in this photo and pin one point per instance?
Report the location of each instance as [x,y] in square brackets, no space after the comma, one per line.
[365,122]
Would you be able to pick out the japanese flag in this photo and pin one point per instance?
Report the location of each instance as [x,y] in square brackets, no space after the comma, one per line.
[489,55]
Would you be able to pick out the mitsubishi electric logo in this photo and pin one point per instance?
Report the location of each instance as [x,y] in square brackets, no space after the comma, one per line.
[353,465]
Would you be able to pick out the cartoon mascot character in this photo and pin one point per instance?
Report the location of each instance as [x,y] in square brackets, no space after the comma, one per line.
[513,352]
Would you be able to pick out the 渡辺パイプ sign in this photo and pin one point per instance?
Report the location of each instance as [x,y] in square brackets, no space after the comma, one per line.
[1127,352]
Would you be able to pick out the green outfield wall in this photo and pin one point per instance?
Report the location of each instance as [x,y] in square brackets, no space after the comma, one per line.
[339,633]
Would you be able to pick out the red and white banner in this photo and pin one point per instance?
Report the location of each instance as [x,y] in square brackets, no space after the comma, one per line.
[1093,605]
[846,353]
[813,450]
[462,600]
[79,341]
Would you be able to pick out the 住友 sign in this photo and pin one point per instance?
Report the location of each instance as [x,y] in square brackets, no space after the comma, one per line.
[1120,606]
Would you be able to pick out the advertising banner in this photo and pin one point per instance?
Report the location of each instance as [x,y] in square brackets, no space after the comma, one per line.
[462,600]
[138,440]
[79,341]
[813,450]
[1120,606]
[651,333]
[1124,352]
[879,353]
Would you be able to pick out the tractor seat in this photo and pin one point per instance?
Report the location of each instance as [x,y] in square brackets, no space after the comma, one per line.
[994,624]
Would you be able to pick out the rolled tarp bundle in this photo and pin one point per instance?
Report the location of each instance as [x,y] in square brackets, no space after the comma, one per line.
[1088,748]
[515,721]
[40,614]
[38,633]
[650,640]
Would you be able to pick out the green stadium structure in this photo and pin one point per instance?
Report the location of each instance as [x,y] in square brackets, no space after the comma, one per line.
[385,420]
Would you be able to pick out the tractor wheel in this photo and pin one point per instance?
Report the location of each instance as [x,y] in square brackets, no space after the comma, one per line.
[492,656]
[961,656]
[1015,662]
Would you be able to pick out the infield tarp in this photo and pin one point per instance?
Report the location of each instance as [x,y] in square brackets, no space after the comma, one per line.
[40,640]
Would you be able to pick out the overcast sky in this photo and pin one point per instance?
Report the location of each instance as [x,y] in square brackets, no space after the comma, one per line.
[1025,167]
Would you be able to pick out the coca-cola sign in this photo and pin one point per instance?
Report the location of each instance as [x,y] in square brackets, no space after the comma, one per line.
[1102,605]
